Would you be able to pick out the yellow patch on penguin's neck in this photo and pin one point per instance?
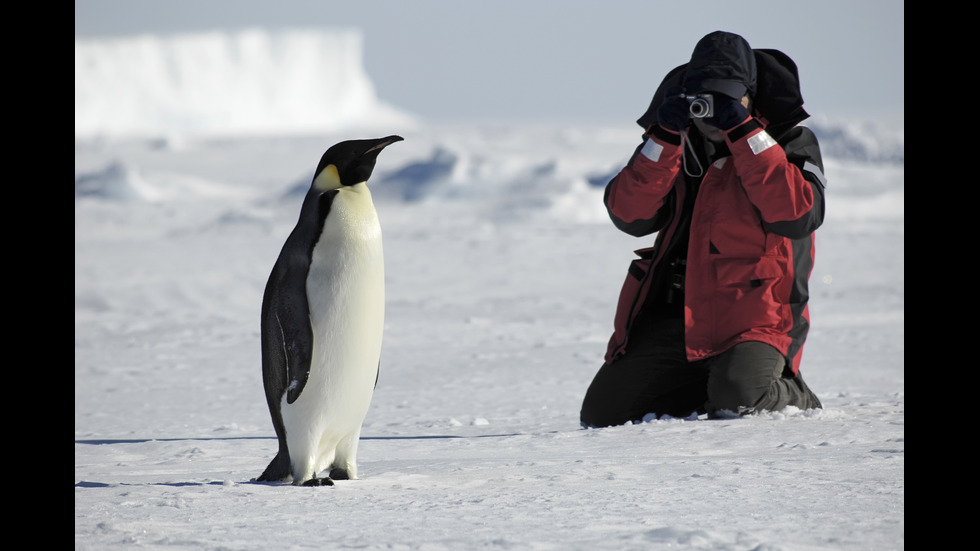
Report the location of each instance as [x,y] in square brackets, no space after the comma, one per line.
[327,179]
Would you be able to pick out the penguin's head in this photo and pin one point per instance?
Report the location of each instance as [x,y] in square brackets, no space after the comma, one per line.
[349,163]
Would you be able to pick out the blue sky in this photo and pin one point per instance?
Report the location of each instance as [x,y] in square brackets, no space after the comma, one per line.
[551,60]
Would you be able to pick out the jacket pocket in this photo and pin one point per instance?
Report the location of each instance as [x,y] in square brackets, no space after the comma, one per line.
[641,266]
[631,296]
[749,272]
[747,297]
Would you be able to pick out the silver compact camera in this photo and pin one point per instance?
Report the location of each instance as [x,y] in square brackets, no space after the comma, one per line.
[701,105]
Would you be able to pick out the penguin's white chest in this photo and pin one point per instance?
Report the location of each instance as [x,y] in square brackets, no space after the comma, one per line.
[346,296]
[345,284]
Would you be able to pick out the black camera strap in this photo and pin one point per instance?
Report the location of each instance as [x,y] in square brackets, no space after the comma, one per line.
[687,147]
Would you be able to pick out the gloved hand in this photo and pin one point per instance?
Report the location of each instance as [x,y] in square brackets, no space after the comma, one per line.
[729,112]
[674,113]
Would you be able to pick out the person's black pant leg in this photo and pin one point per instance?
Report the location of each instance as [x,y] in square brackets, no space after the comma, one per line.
[751,377]
[653,376]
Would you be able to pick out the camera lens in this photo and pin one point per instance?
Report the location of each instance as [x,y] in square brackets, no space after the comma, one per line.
[700,108]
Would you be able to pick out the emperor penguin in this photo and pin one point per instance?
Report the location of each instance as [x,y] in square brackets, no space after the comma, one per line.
[322,321]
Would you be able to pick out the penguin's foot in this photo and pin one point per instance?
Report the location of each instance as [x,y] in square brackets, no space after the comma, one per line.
[339,474]
[325,481]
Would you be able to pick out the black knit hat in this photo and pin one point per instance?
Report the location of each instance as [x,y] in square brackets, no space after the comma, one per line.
[722,62]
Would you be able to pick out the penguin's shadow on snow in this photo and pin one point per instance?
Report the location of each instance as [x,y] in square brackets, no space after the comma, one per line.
[115,441]
[109,441]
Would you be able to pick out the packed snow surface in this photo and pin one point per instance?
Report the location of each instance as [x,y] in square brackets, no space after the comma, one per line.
[502,276]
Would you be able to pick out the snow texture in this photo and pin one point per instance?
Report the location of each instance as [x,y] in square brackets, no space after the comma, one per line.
[502,276]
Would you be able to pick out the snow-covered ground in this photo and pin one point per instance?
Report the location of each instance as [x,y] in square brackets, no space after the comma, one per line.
[503,272]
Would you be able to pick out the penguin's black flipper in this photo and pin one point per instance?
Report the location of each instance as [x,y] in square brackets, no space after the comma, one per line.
[287,333]
[297,345]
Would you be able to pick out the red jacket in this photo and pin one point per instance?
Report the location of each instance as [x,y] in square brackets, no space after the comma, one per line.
[750,247]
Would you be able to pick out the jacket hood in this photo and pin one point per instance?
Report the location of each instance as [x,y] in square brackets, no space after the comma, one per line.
[722,62]
[777,99]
